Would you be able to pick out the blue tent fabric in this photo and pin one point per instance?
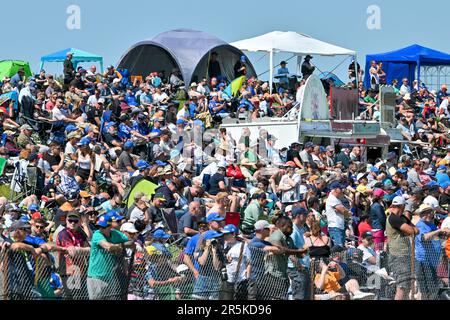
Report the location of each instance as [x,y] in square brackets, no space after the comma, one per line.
[402,63]
[329,75]
[78,56]
[184,49]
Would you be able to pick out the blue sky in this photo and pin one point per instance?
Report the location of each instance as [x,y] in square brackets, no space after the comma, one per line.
[108,28]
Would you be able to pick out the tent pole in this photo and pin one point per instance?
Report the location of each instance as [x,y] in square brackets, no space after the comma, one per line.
[356,70]
[418,74]
[271,70]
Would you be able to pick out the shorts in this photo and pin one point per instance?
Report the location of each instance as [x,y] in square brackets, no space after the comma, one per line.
[400,266]
[84,174]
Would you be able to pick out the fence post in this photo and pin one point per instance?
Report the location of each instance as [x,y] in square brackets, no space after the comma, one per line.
[312,272]
[5,267]
[412,258]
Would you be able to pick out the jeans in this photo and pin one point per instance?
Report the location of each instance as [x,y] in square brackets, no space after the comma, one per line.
[337,236]
[207,288]
[300,283]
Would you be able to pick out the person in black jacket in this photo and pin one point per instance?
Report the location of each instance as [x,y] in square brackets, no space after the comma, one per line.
[69,70]
[307,68]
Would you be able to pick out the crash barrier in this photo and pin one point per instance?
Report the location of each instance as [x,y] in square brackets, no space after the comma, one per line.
[165,272]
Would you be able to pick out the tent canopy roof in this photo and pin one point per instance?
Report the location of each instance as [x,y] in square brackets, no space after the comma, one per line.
[290,41]
[186,48]
[78,56]
[413,54]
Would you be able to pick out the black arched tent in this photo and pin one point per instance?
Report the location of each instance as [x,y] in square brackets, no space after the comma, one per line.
[184,49]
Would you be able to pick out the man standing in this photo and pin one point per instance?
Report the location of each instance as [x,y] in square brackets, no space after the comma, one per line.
[298,268]
[214,66]
[307,68]
[399,229]
[105,274]
[240,68]
[336,214]
[69,70]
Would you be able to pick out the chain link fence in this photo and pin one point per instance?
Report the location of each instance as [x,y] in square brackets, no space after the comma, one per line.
[161,272]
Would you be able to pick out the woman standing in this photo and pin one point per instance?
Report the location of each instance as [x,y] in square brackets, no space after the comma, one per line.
[377,217]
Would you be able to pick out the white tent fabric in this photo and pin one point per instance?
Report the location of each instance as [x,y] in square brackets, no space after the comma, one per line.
[289,41]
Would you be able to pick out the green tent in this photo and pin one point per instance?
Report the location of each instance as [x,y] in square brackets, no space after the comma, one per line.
[144,186]
[9,68]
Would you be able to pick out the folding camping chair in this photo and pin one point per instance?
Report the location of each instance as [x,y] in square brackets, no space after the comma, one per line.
[23,181]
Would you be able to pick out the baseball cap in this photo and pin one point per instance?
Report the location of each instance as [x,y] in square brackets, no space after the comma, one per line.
[101,100]
[180,121]
[104,221]
[161,234]
[84,142]
[367,235]
[33,207]
[442,168]
[73,214]
[374,169]
[288,208]
[26,127]
[19,224]
[160,196]
[160,163]
[116,80]
[71,128]
[142,165]
[398,201]
[214,217]
[128,145]
[261,225]
[431,201]
[73,134]
[114,215]
[128,227]
[230,228]
[379,193]
[360,176]
[296,211]
[335,185]
[309,144]
[211,234]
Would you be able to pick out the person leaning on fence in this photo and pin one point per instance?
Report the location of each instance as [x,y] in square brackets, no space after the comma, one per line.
[237,264]
[209,254]
[428,252]
[399,229]
[107,252]
[72,266]
[276,280]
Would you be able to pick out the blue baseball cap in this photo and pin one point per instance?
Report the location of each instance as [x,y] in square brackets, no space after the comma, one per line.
[402,170]
[128,145]
[211,234]
[243,58]
[110,124]
[296,211]
[214,217]
[180,121]
[335,185]
[374,169]
[71,128]
[443,168]
[33,207]
[84,142]
[159,163]
[104,221]
[230,228]
[114,215]
[142,165]
[161,234]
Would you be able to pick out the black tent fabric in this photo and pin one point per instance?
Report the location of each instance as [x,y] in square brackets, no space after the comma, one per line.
[183,49]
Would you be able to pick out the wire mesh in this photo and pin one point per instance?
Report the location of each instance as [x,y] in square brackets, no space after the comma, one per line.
[156,271]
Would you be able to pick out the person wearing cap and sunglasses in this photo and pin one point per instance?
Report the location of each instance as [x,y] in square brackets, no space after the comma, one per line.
[107,248]
[336,214]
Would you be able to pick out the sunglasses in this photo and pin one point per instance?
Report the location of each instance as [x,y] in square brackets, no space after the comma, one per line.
[39,227]
[73,221]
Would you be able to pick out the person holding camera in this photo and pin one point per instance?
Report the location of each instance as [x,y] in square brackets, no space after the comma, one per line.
[237,257]
[209,254]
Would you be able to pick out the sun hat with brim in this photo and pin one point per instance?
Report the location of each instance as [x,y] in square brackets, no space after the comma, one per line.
[159,196]
[211,234]
[26,127]
[161,234]
[424,208]
[19,224]
[74,215]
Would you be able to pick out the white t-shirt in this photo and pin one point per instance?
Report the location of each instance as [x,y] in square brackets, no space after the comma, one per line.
[367,254]
[292,195]
[92,100]
[159,97]
[335,219]
[446,223]
[183,114]
[57,114]
[233,255]
[444,106]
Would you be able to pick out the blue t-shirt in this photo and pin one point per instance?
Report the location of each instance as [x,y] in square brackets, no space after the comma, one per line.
[142,128]
[246,104]
[190,249]
[299,242]
[427,251]
[34,241]
[192,112]
[130,99]
[214,104]
[442,177]
[257,257]
[124,131]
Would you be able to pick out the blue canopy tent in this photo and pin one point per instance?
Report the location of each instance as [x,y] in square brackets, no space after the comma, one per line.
[183,49]
[329,75]
[78,56]
[403,63]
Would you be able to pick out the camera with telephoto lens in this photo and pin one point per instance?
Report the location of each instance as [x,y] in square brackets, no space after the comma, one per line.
[224,274]
[214,242]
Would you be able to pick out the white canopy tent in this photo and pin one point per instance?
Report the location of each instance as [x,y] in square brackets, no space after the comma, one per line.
[291,42]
